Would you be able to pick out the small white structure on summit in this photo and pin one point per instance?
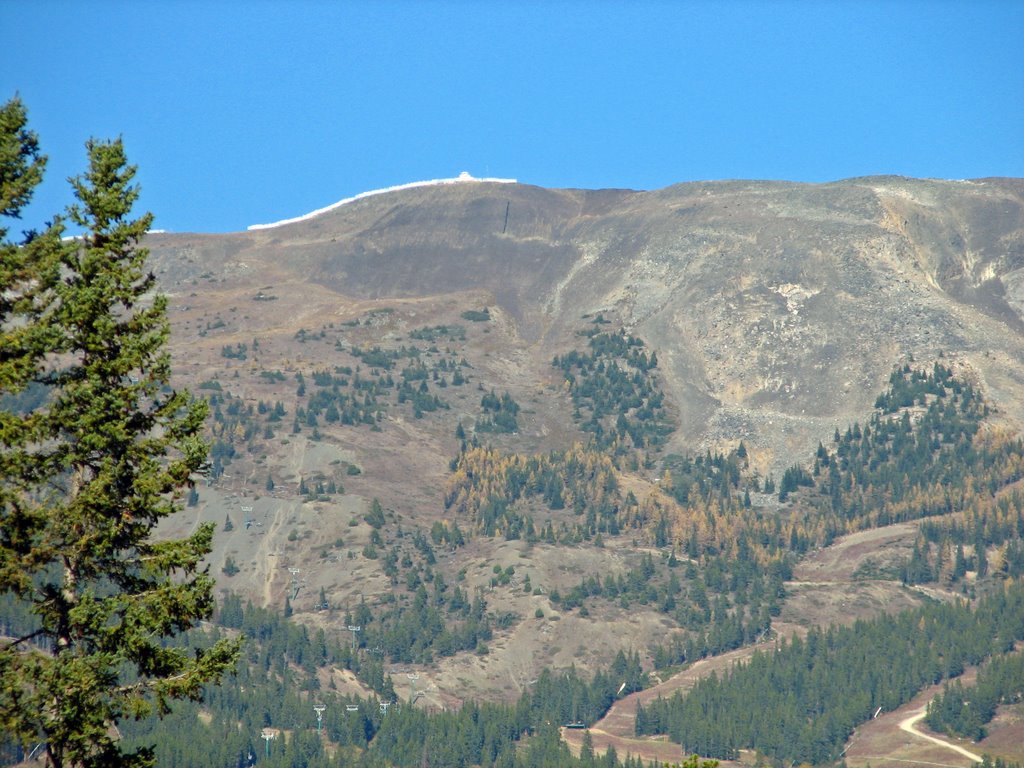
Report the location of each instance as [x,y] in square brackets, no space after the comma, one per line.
[463,178]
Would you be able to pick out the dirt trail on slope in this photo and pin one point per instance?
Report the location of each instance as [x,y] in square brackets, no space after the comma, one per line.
[617,729]
[908,724]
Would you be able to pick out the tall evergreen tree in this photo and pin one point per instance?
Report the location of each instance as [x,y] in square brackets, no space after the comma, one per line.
[88,473]
[28,267]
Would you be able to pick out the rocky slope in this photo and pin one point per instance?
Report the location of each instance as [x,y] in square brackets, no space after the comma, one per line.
[777,310]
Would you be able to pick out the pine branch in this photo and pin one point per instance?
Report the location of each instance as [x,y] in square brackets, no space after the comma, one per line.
[25,638]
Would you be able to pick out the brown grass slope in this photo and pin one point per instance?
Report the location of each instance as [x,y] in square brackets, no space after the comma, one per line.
[767,302]
[777,312]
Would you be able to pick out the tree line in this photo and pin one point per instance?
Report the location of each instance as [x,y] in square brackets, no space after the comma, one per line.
[965,710]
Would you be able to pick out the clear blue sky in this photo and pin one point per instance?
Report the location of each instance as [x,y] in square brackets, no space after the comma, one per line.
[241,113]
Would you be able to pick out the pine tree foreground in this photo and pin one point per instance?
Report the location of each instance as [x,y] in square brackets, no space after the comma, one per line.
[95,450]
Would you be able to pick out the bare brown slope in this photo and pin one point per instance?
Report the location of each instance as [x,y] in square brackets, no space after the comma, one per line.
[776,309]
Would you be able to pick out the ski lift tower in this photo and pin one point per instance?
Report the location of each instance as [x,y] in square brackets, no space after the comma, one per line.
[319,709]
[354,628]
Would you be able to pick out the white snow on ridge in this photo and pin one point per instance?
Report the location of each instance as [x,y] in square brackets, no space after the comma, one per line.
[462,178]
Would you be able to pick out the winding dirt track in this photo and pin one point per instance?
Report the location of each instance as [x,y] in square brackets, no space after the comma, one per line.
[908,724]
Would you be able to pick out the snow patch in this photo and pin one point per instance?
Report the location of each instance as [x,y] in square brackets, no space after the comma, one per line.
[462,178]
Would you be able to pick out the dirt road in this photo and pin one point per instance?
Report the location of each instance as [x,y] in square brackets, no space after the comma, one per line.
[908,724]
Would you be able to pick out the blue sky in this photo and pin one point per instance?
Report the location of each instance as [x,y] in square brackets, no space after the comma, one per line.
[241,113]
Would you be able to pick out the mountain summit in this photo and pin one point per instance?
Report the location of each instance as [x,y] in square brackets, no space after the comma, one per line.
[777,309]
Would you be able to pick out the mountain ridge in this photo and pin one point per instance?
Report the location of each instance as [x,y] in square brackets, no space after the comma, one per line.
[808,272]
[777,313]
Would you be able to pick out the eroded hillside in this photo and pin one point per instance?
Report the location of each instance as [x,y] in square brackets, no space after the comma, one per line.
[364,353]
